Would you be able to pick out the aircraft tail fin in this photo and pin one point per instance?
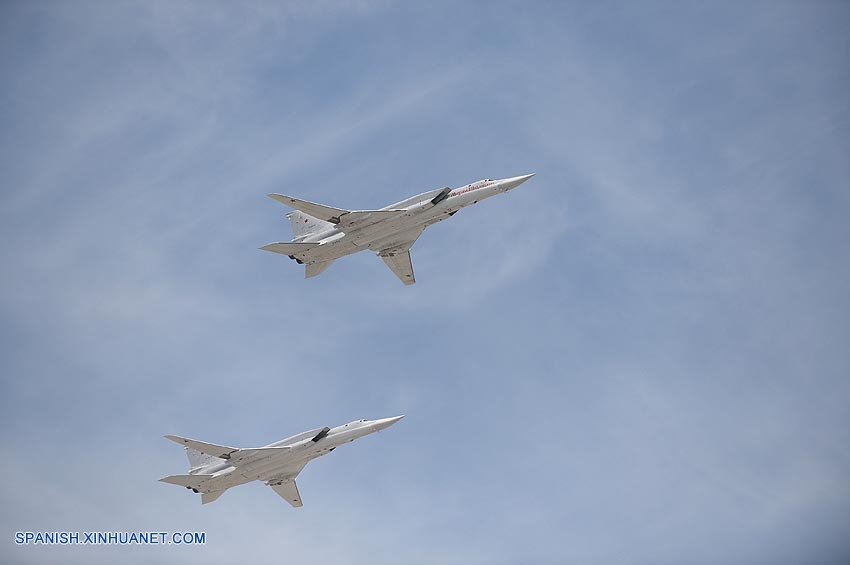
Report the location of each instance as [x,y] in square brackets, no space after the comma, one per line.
[199,459]
[305,224]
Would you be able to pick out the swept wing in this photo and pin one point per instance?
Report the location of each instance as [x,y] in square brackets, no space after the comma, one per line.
[345,220]
[289,492]
[401,265]
[284,484]
[397,256]
[220,451]
[313,269]
[320,211]
[233,455]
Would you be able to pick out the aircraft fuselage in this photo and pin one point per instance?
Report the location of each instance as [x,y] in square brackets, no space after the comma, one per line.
[419,213]
[301,449]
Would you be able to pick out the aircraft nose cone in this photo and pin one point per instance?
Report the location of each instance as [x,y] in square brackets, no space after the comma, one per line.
[514,182]
[387,422]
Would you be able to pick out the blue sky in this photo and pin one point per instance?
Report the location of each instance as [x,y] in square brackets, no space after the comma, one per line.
[640,355]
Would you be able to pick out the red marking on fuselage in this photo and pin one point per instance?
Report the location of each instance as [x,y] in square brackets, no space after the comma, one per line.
[470,188]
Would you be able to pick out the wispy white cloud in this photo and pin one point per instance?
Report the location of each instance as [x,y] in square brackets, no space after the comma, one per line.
[638,355]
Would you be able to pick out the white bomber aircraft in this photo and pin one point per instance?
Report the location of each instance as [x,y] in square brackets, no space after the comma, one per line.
[216,468]
[324,234]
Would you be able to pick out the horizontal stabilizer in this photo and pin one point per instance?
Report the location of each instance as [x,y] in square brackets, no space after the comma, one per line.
[320,211]
[291,249]
[189,481]
[220,451]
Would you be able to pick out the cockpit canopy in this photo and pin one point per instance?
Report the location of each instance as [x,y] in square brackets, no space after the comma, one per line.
[355,422]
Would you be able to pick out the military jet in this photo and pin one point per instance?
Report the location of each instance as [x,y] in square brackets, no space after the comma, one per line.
[216,468]
[323,234]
